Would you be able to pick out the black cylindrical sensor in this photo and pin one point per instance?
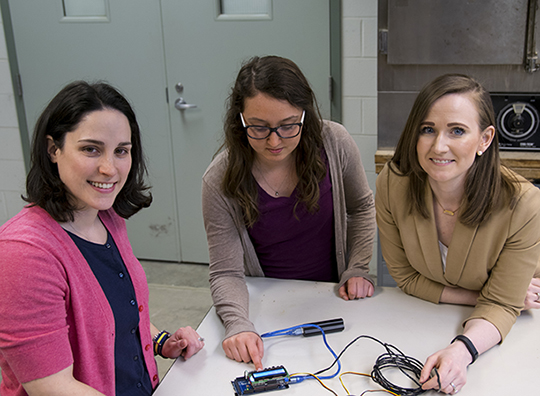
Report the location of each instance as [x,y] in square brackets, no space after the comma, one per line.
[328,326]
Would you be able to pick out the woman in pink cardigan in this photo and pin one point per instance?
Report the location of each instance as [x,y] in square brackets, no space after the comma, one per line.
[74,309]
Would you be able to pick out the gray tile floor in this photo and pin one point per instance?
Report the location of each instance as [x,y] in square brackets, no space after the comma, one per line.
[179,297]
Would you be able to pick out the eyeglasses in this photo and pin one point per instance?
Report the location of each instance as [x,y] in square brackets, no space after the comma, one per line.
[287,131]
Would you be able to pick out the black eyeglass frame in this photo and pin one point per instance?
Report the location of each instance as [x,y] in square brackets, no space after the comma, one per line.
[270,129]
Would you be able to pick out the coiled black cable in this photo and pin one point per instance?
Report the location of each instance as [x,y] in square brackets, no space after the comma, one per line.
[393,358]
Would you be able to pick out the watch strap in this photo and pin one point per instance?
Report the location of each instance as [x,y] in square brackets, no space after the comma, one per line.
[470,346]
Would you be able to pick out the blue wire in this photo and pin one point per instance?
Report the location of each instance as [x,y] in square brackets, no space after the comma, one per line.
[291,331]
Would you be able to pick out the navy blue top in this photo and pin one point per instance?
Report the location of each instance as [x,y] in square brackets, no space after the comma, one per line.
[131,373]
[296,244]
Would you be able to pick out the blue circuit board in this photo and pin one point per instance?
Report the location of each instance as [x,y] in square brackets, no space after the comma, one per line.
[274,378]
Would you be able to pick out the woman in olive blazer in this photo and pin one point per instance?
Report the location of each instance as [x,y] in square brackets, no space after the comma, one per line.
[457,227]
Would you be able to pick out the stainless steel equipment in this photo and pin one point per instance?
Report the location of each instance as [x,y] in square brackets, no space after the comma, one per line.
[491,40]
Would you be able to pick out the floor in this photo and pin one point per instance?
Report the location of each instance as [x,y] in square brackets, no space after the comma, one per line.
[179,297]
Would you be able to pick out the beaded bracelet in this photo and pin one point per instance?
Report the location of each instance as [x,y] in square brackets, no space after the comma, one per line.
[159,340]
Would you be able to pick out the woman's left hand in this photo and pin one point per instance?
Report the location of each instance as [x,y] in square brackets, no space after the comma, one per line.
[451,363]
[532,299]
[184,342]
[356,287]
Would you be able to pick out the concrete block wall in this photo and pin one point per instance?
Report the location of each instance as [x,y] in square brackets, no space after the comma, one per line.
[359,51]
[359,74]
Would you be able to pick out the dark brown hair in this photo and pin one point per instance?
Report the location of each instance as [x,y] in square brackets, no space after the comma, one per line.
[62,115]
[281,79]
[486,187]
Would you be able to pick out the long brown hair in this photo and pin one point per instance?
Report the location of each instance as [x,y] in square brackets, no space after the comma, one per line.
[486,187]
[281,79]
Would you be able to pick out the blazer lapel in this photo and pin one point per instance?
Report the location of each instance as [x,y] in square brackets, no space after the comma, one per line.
[428,239]
[458,251]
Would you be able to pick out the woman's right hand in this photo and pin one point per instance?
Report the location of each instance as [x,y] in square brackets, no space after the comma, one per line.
[245,347]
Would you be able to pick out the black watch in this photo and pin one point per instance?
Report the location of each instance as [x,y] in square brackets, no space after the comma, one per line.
[470,346]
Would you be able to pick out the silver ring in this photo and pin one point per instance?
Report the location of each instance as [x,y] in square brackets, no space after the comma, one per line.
[201,339]
[453,387]
[537,297]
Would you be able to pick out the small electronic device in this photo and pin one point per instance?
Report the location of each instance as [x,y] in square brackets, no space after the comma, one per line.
[273,378]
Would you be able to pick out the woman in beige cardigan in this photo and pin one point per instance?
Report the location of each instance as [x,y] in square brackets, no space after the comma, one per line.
[455,226]
[288,198]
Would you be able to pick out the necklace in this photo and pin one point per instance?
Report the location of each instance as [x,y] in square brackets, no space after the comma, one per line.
[74,230]
[71,227]
[276,192]
[447,212]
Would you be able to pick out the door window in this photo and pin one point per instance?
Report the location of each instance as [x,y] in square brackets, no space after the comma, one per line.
[244,9]
[82,9]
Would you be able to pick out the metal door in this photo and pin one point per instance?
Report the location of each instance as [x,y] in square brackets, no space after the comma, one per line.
[155,53]
[204,50]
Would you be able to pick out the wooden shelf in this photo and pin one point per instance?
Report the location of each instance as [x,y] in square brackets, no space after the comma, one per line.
[526,163]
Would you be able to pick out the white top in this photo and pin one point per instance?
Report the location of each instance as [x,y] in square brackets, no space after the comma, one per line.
[444,252]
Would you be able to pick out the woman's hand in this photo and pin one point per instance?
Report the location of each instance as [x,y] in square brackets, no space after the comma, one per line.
[532,299]
[356,287]
[451,363]
[184,342]
[245,347]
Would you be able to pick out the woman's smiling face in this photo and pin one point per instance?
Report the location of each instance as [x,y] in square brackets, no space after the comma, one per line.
[95,159]
[450,138]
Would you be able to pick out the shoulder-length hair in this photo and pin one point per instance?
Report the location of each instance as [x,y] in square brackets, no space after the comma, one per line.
[62,115]
[281,79]
[486,187]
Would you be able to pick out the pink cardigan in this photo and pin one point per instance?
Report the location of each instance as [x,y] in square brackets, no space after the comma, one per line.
[53,312]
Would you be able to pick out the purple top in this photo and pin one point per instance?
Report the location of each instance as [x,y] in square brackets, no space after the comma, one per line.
[296,247]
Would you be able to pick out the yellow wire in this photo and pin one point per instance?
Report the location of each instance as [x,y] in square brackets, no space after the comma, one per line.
[367,391]
[317,378]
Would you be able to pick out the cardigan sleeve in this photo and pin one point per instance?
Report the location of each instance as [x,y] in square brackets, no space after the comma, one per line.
[406,276]
[359,206]
[33,321]
[227,283]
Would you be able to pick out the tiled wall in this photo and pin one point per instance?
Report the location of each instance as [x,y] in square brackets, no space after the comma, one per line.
[12,172]
[359,38]
[359,52]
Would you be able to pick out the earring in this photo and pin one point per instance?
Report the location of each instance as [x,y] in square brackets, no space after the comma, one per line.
[479,153]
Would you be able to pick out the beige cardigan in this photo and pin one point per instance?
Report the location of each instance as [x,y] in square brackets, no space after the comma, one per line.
[497,258]
[232,254]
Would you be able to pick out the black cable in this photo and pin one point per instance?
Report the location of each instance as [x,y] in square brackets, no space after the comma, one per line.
[393,358]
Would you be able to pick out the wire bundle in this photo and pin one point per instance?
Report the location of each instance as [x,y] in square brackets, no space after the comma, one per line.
[392,359]
[405,364]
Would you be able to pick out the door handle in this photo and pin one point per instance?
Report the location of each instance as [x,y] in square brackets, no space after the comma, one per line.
[181,104]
